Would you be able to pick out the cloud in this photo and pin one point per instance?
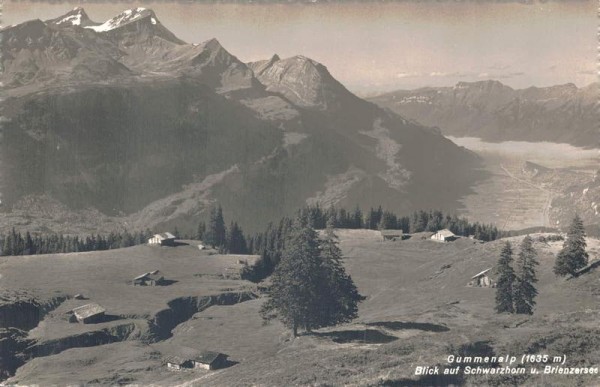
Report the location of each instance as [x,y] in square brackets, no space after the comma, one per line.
[500,75]
[589,72]
[408,75]
[458,74]
[441,74]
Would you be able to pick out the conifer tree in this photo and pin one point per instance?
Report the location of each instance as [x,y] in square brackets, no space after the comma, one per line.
[331,217]
[310,288]
[506,279]
[524,289]
[295,281]
[200,231]
[357,218]
[572,256]
[339,296]
[215,234]
[236,243]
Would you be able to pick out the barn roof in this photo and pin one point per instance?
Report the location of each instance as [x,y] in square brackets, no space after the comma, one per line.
[164,235]
[482,273]
[391,232]
[141,276]
[175,360]
[446,233]
[154,275]
[207,357]
[88,310]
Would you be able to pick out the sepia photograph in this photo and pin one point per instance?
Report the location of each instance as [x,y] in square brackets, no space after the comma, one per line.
[299,193]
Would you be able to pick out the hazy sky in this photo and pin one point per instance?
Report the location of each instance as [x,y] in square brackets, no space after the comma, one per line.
[382,46]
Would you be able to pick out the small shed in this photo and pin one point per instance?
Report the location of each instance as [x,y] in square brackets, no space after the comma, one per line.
[391,235]
[444,235]
[89,313]
[153,278]
[482,280]
[177,363]
[162,239]
[210,360]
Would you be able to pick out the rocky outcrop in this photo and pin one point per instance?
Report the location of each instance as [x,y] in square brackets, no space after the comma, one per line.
[120,332]
[182,309]
[303,81]
[12,345]
[18,314]
[26,313]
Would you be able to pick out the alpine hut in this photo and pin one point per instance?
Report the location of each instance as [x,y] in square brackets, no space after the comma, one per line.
[89,313]
[177,363]
[163,239]
[209,360]
[481,280]
[444,235]
[153,278]
[391,235]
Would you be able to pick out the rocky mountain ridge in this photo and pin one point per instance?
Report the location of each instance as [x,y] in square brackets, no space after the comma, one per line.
[124,117]
[495,112]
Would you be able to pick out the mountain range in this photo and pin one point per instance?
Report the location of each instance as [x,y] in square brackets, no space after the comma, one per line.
[495,112]
[126,118]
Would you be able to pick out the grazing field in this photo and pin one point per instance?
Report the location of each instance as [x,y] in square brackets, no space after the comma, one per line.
[418,311]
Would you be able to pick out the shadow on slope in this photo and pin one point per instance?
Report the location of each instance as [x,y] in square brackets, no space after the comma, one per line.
[366,336]
[400,325]
[429,380]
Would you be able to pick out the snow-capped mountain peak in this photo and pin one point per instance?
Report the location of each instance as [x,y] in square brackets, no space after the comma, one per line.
[75,17]
[125,17]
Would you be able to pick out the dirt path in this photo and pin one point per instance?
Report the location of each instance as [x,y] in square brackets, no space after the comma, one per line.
[549,193]
[196,381]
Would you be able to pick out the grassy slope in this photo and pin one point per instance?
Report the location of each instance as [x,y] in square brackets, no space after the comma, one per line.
[416,313]
[104,277]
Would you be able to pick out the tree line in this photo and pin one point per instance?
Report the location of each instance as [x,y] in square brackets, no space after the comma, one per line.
[380,219]
[271,242]
[16,243]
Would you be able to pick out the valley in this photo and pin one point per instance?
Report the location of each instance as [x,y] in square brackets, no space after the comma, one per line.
[538,184]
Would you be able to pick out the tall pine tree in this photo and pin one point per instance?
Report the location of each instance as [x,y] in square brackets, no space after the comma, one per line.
[506,279]
[236,243]
[215,234]
[524,289]
[295,281]
[200,231]
[339,296]
[572,256]
[310,288]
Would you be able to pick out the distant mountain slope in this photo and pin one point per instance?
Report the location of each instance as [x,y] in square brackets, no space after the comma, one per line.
[125,117]
[495,112]
[303,81]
